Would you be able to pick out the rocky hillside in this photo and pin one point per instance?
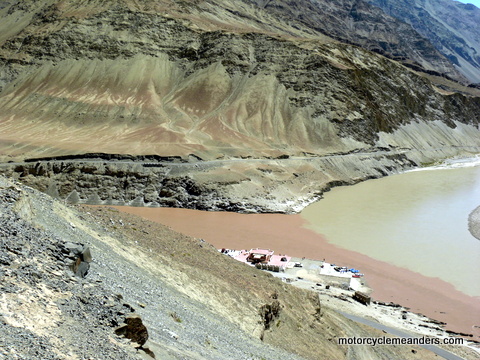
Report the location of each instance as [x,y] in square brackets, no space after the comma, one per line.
[451,26]
[44,294]
[220,79]
[226,105]
[222,84]
[193,302]
[357,22]
[241,185]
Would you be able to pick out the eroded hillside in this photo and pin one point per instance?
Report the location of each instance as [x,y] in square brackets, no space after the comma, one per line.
[251,107]
[211,79]
[218,81]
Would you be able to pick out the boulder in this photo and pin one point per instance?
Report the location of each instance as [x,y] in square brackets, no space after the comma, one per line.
[86,255]
[133,329]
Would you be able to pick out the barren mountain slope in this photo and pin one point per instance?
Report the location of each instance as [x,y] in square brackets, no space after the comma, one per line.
[195,302]
[227,82]
[451,26]
[210,78]
[359,23]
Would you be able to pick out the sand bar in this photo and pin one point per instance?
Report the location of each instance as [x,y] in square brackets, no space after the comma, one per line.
[285,234]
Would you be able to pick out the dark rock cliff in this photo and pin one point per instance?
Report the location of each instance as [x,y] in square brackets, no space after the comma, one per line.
[452,27]
[357,22]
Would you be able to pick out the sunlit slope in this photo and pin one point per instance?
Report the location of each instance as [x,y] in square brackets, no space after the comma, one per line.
[149,105]
[213,79]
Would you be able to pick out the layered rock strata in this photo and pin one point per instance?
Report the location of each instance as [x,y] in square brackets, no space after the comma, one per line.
[149,81]
[285,184]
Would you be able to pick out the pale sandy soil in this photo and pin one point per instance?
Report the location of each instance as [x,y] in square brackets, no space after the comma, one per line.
[285,234]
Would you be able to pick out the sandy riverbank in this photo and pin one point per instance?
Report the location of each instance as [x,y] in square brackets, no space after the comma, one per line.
[286,234]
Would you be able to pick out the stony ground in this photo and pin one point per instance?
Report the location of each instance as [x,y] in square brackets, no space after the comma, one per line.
[46,311]
[49,313]
[194,302]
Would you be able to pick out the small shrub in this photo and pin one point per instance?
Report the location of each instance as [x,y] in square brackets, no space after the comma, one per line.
[175,317]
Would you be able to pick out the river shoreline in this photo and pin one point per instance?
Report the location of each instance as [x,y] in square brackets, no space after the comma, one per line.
[432,297]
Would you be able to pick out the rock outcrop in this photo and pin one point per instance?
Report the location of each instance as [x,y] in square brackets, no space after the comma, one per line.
[268,185]
[133,329]
[474,223]
[284,184]
[358,22]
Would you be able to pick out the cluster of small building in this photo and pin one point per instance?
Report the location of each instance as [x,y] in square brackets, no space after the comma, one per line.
[315,270]
[266,259]
[261,258]
[340,271]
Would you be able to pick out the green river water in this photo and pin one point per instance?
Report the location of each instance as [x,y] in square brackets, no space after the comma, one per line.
[416,220]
